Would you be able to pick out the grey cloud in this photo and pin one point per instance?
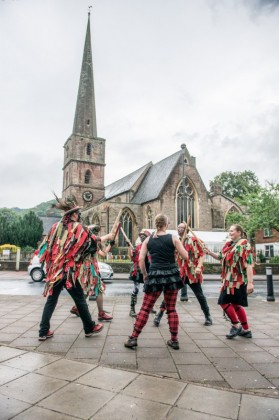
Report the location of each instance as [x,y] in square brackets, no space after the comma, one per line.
[29,179]
[166,73]
[262,5]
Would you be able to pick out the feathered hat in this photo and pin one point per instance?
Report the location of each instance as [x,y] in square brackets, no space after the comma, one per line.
[68,204]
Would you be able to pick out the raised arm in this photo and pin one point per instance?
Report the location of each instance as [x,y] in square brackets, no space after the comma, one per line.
[104,251]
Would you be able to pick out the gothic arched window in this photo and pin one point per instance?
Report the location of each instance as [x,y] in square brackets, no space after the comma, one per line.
[127,225]
[87,177]
[185,203]
[233,215]
[88,149]
[67,179]
[149,218]
[95,220]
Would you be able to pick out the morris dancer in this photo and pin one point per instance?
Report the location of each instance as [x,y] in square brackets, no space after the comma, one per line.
[191,271]
[63,251]
[136,274]
[163,276]
[90,269]
[237,280]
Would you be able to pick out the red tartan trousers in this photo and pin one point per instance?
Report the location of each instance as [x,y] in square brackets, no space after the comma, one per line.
[149,300]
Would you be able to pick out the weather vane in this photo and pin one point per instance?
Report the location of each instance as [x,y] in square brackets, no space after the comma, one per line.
[89,9]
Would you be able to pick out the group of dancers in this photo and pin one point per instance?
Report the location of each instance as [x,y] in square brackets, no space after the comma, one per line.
[163,262]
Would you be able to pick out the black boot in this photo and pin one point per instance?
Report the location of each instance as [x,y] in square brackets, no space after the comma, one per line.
[133,310]
[208,320]
[131,343]
[184,294]
[158,318]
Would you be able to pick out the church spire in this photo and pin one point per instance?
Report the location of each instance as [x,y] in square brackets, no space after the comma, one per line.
[84,152]
[85,116]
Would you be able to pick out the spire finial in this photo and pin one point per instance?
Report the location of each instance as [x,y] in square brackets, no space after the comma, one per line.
[89,10]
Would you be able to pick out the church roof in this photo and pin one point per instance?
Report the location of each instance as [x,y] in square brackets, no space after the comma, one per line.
[124,184]
[155,180]
[48,221]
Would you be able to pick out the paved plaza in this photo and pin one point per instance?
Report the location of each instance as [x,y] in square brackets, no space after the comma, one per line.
[70,376]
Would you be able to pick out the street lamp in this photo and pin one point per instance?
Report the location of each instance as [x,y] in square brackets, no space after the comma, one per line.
[183,147]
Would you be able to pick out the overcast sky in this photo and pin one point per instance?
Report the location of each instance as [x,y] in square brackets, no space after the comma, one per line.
[166,72]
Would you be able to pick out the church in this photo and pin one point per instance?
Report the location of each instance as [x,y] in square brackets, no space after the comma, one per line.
[172,186]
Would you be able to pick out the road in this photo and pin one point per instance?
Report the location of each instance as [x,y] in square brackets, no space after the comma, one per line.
[19,283]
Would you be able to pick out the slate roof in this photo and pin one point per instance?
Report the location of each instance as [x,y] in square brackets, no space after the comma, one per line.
[155,180]
[124,184]
[48,222]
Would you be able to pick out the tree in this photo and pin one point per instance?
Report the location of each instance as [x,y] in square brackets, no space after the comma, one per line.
[236,218]
[262,210]
[7,219]
[21,231]
[30,230]
[236,185]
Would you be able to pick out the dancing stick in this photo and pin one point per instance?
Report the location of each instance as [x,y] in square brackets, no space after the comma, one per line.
[201,243]
[126,237]
[116,225]
[117,229]
[187,226]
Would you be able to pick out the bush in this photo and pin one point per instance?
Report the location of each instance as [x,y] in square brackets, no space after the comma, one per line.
[274,260]
[261,257]
[28,249]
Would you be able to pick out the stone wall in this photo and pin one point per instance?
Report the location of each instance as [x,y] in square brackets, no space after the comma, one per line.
[202,202]
[220,207]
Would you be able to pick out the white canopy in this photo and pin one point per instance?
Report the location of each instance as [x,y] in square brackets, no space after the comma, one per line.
[208,237]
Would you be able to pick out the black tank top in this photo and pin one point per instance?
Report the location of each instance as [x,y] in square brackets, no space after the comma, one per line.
[162,251]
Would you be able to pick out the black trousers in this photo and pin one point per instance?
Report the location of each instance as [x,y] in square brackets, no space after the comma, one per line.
[198,292]
[80,302]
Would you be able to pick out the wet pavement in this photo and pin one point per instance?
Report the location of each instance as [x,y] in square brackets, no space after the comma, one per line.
[20,283]
[70,376]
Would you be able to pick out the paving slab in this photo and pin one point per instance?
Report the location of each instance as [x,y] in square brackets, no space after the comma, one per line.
[7,353]
[155,389]
[31,388]
[35,413]
[30,361]
[8,374]
[182,414]
[200,373]
[10,407]
[210,401]
[258,408]
[65,369]
[243,380]
[106,378]
[132,408]
[89,400]
[69,362]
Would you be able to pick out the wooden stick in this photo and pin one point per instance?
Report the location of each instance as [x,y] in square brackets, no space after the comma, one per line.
[117,229]
[116,226]
[126,237]
[201,243]
[187,226]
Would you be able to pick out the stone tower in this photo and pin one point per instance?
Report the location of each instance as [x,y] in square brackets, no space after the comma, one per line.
[84,152]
